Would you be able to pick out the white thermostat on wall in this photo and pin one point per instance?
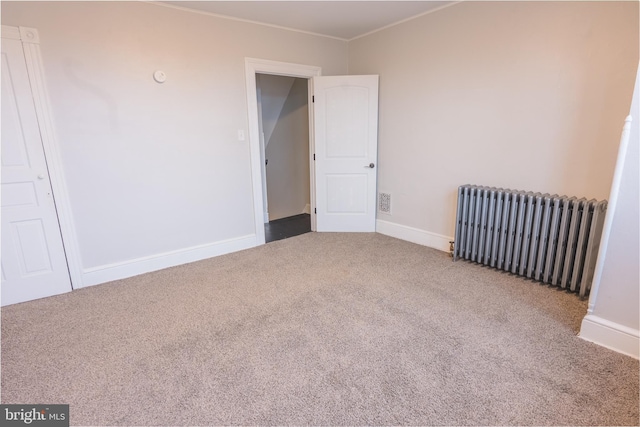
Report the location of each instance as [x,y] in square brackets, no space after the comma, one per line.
[159,76]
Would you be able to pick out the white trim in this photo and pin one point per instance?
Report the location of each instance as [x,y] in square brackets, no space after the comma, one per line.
[611,335]
[611,210]
[414,235]
[233,18]
[252,67]
[35,70]
[12,33]
[402,21]
[29,35]
[134,267]
[312,156]
[263,154]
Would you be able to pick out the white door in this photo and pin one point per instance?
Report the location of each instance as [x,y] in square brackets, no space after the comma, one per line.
[346,149]
[33,258]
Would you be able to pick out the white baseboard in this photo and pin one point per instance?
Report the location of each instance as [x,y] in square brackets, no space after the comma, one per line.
[307,209]
[414,235]
[134,267]
[611,335]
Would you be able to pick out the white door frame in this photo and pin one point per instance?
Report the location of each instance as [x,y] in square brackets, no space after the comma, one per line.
[263,156]
[31,46]
[262,66]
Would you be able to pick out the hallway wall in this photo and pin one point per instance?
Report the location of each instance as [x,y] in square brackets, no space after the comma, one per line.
[288,155]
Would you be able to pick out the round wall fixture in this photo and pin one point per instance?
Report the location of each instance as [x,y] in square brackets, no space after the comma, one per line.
[159,76]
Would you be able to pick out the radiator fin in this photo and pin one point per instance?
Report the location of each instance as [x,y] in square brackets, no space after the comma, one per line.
[543,237]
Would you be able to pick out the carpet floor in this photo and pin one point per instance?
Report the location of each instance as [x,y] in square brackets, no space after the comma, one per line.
[321,329]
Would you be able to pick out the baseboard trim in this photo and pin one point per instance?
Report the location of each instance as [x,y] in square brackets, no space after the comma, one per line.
[611,335]
[122,270]
[414,235]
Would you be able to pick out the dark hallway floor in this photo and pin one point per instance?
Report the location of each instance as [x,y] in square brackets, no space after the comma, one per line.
[287,227]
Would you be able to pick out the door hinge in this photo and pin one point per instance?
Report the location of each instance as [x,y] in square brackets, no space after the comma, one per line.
[313,98]
[314,156]
[315,211]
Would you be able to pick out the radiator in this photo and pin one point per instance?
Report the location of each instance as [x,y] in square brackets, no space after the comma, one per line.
[550,239]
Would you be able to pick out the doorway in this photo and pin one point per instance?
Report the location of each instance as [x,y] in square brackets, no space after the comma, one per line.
[283,118]
[343,159]
[257,69]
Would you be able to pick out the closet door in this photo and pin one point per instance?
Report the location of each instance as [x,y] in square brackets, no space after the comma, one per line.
[33,258]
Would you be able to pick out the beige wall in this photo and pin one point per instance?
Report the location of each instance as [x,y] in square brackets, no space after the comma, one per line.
[288,155]
[155,169]
[525,95]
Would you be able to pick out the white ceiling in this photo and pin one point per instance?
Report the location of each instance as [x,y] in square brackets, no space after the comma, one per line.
[340,19]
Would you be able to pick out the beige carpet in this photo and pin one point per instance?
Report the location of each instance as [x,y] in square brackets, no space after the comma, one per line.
[331,329]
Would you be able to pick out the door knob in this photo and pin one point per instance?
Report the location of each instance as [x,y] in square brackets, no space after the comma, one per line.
[41,176]
[370,165]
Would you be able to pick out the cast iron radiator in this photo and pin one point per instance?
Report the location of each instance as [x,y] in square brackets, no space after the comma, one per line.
[550,239]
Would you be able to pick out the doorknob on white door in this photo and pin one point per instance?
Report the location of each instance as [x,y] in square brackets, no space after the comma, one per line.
[41,176]
[370,165]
